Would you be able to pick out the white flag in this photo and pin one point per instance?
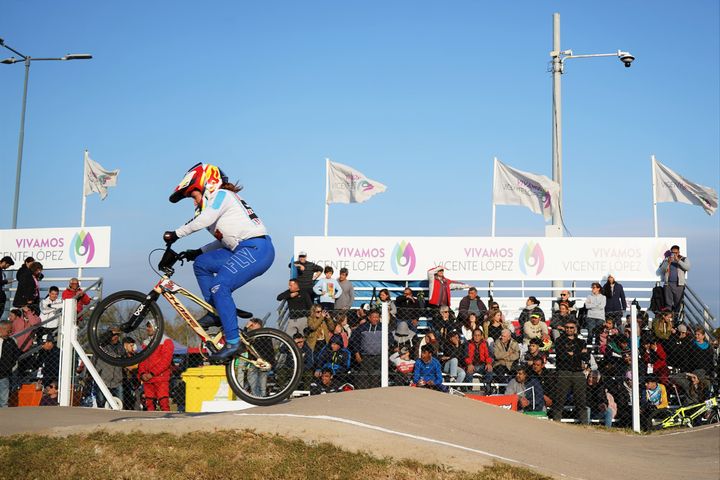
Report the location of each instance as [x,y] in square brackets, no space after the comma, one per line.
[515,187]
[97,179]
[671,187]
[347,185]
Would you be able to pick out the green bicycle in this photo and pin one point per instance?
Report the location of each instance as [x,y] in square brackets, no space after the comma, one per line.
[704,413]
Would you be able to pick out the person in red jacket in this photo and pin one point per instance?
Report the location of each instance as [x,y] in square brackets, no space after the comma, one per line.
[154,372]
[478,359]
[74,290]
[440,287]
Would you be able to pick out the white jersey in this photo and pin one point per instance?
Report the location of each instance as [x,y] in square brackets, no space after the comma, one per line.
[228,218]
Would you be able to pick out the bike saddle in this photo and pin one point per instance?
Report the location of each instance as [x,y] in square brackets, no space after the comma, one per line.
[243,313]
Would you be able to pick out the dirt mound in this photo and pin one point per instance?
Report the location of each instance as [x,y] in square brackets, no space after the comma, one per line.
[424,425]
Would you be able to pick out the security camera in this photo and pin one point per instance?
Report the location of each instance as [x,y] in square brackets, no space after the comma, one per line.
[626,58]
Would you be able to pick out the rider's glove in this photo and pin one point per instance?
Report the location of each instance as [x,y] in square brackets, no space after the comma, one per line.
[191,255]
[170,237]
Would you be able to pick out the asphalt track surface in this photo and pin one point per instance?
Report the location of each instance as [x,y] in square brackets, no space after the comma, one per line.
[423,425]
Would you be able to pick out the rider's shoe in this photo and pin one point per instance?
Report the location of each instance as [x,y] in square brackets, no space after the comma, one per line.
[227,353]
[210,320]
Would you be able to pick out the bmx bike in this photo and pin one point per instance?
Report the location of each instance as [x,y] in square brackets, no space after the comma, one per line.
[266,370]
[707,412]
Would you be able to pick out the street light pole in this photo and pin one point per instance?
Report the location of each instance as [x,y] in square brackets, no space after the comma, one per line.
[21,140]
[558,59]
[557,124]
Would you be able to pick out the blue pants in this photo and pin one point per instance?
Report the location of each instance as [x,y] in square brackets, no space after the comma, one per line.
[220,272]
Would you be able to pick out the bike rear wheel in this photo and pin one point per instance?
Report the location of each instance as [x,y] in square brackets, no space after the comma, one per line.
[276,381]
[121,312]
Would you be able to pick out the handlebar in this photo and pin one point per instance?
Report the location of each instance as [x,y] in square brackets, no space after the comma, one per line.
[169,259]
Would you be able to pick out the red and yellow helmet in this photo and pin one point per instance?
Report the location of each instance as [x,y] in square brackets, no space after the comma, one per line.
[202,177]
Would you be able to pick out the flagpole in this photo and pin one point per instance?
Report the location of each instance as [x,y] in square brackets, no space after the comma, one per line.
[327,192]
[492,229]
[84,200]
[654,192]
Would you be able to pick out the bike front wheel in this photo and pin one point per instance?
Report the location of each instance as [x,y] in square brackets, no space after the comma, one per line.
[268,370]
[130,315]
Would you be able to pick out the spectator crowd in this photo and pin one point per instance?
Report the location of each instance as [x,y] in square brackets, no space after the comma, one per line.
[570,358]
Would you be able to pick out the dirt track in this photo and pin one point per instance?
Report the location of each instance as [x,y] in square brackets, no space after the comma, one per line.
[423,425]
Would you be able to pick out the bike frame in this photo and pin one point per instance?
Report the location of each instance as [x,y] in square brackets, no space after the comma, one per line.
[681,416]
[169,290]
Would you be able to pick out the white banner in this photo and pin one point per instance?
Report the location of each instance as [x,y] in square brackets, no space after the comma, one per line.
[347,185]
[98,179]
[515,187]
[491,258]
[87,247]
[672,187]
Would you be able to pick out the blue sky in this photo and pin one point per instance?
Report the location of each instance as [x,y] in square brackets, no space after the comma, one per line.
[418,95]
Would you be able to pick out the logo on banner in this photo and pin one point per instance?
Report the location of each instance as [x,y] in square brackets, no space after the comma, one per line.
[403,258]
[531,257]
[82,248]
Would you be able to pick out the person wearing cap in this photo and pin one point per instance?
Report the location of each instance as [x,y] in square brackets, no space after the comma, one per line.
[154,373]
[440,287]
[9,354]
[615,304]
[595,304]
[570,353]
[74,291]
[47,361]
[307,273]
[672,271]
[654,403]
[111,375]
[308,360]
[366,347]
[535,327]
[5,263]
[653,355]
[532,306]
[257,378]
[298,304]
[403,366]
[679,349]
[333,357]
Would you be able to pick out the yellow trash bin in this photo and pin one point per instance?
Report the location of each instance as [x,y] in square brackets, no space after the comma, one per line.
[205,383]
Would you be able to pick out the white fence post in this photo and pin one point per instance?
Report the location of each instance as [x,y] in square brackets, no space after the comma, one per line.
[635,369]
[385,322]
[67,325]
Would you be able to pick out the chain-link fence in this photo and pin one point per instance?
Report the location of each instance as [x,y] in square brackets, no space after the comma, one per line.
[560,364]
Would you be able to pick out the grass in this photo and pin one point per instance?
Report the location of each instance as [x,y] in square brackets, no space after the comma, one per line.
[219,455]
